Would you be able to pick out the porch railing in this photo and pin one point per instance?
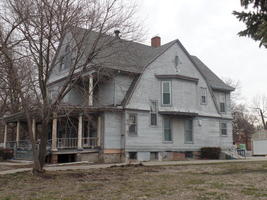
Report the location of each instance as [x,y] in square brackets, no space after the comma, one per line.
[67,143]
[20,145]
[89,142]
[62,143]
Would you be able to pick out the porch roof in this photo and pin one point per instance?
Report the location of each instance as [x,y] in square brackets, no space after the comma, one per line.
[178,113]
[62,110]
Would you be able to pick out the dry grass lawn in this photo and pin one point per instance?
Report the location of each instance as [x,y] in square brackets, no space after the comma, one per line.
[239,181]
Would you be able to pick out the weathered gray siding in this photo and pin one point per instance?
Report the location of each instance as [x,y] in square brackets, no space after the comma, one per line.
[112,130]
[185,94]
[112,92]
[206,132]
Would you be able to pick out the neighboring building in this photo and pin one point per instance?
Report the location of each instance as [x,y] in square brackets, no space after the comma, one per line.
[161,103]
[259,143]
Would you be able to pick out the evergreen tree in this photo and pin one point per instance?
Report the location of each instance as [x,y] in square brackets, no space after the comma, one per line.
[255,18]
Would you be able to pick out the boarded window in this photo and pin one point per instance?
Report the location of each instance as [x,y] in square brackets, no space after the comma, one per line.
[153,113]
[132,124]
[223,127]
[203,94]
[188,131]
[166,92]
[167,129]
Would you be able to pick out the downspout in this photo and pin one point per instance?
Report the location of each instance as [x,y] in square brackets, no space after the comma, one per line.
[114,92]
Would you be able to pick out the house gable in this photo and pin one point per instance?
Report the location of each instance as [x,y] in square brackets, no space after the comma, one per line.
[185,94]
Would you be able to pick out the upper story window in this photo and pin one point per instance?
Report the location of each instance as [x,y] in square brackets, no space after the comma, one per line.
[132,124]
[222,107]
[223,128]
[166,92]
[167,131]
[153,113]
[203,95]
[222,103]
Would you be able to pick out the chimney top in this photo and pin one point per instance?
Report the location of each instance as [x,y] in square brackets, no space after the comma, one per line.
[155,41]
[117,33]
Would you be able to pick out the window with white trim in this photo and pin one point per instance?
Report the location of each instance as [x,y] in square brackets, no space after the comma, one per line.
[203,95]
[132,124]
[188,128]
[223,128]
[167,131]
[166,92]
[153,113]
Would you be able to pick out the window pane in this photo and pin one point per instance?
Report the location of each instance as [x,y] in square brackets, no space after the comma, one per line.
[188,131]
[167,129]
[167,135]
[166,98]
[188,136]
[153,119]
[132,128]
[222,107]
[166,87]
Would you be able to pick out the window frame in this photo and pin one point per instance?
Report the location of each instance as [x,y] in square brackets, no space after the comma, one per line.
[203,90]
[186,131]
[153,112]
[170,128]
[224,106]
[225,128]
[131,134]
[170,92]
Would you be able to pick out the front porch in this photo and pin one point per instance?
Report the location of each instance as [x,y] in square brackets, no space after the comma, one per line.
[75,133]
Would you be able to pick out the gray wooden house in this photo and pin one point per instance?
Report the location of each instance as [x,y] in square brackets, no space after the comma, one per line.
[161,103]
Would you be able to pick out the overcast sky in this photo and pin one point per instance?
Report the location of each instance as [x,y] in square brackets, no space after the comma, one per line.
[208,30]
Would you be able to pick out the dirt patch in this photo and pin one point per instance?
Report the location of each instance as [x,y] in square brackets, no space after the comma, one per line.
[198,182]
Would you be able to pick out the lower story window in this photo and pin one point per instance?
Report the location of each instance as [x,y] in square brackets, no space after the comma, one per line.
[132,125]
[133,155]
[223,127]
[154,155]
[167,129]
[188,131]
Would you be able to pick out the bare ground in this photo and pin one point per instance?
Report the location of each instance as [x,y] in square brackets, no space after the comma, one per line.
[239,181]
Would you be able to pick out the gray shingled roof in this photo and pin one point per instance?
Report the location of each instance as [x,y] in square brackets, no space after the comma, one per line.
[134,57]
[118,53]
[214,81]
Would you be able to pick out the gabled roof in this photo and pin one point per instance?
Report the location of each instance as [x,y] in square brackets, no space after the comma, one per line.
[117,53]
[213,80]
[133,57]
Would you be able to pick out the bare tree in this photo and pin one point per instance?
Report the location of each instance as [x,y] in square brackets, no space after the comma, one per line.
[259,104]
[42,27]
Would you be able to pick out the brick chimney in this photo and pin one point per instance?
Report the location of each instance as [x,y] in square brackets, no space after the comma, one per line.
[155,41]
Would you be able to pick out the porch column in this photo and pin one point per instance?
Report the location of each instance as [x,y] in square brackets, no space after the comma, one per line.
[18,133]
[90,91]
[5,136]
[80,132]
[54,133]
[34,129]
[98,130]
